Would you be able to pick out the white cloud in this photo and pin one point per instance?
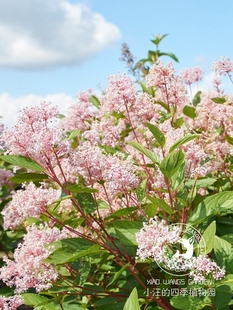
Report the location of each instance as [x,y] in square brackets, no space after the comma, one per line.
[10,106]
[44,33]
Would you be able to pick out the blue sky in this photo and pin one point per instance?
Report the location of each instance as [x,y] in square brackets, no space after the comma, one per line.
[51,50]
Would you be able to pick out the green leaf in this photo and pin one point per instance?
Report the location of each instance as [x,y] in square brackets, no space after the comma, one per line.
[122,212]
[171,163]
[148,90]
[208,237]
[22,161]
[74,133]
[28,177]
[158,39]
[197,98]
[151,209]
[229,139]
[189,111]
[178,177]
[61,256]
[201,183]
[212,205]
[182,141]
[86,202]
[157,133]
[187,302]
[222,250]
[161,204]
[171,55]
[162,104]
[117,274]
[76,188]
[153,157]
[38,300]
[126,231]
[141,190]
[95,101]
[72,244]
[132,302]
[219,100]
[222,296]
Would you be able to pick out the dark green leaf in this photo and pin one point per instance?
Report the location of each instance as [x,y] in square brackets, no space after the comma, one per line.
[222,250]
[61,256]
[222,296]
[122,212]
[157,133]
[38,300]
[171,163]
[117,274]
[187,302]
[22,161]
[161,204]
[86,202]
[28,177]
[126,231]
[212,205]
[76,188]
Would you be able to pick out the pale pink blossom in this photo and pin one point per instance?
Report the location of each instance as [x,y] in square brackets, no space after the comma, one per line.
[5,175]
[80,114]
[191,75]
[116,173]
[29,269]
[223,66]
[153,238]
[120,94]
[160,74]
[35,136]
[28,202]
[11,303]
[202,267]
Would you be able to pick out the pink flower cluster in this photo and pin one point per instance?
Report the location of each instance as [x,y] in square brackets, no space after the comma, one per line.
[153,238]
[223,66]
[35,136]
[117,173]
[120,94]
[156,237]
[28,202]
[28,269]
[202,267]
[80,114]
[5,175]
[11,303]
[191,75]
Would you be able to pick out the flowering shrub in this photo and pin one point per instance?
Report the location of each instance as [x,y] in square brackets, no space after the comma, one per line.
[126,202]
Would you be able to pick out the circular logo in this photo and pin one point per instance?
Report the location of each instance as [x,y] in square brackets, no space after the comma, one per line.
[179,251]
